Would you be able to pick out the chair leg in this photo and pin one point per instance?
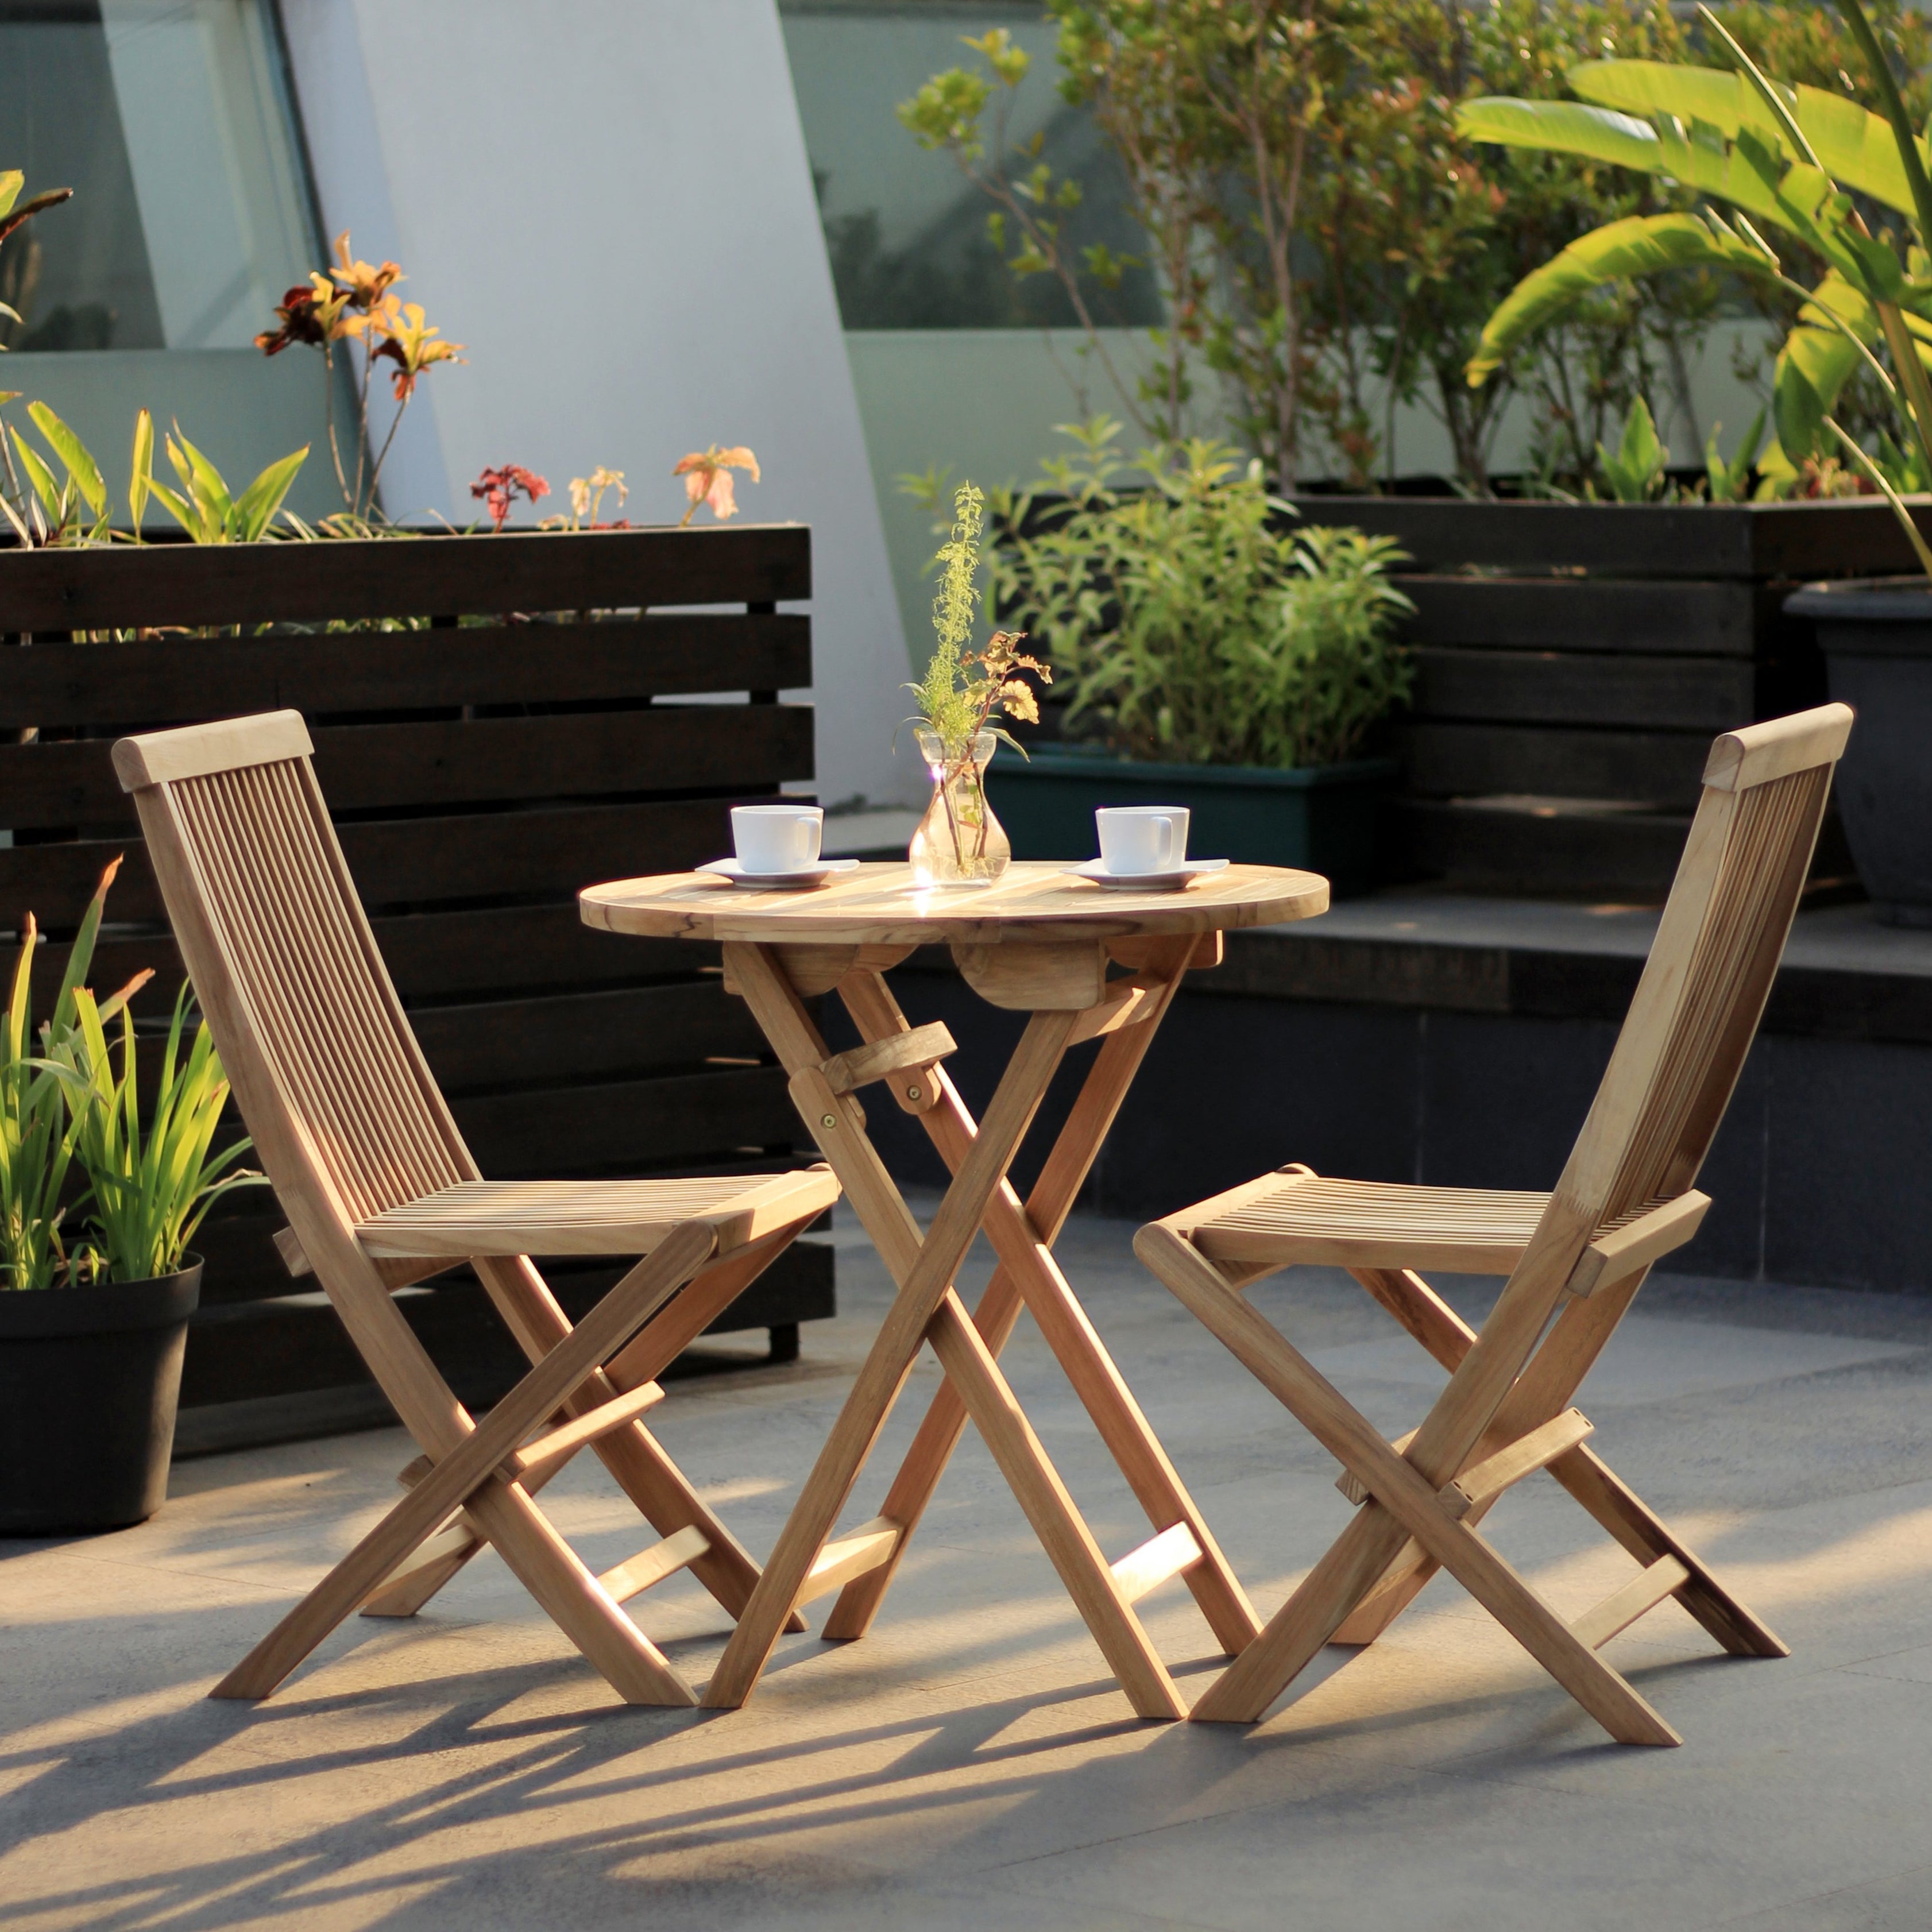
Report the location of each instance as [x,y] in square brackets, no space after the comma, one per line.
[1310,1618]
[462,1475]
[1063,1532]
[1400,1584]
[552,1572]
[1400,1496]
[1647,1536]
[1549,1382]
[634,1457]
[421,1577]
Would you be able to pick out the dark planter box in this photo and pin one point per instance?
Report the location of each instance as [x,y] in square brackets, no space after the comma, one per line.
[1320,820]
[1573,662]
[89,1378]
[1877,641]
[527,734]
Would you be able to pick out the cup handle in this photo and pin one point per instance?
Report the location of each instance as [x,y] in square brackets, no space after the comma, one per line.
[1165,863]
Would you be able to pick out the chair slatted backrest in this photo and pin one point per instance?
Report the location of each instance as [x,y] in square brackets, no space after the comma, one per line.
[325,1069]
[1682,1047]
[1703,989]
[1747,918]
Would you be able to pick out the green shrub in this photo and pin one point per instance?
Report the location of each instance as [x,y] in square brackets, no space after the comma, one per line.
[1189,625]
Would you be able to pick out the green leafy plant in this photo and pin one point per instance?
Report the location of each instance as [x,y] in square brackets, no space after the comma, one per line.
[150,1185]
[1193,626]
[1638,472]
[962,698]
[1326,243]
[16,214]
[965,112]
[205,507]
[40,1127]
[965,692]
[73,510]
[1730,482]
[1795,160]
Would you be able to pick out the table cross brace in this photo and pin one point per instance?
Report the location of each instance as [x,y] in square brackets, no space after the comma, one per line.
[927,1308]
[1022,1235]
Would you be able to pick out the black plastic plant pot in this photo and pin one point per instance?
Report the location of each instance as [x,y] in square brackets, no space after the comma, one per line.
[89,1378]
[1876,636]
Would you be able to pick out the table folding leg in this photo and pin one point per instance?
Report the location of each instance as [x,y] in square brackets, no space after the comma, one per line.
[1028,1276]
[807,1562]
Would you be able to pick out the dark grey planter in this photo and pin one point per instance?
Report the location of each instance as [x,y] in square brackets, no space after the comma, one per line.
[1321,819]
[1876,636]
[89,1378]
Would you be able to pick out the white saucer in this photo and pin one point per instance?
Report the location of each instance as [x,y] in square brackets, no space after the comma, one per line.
[767,882]
[1096,869]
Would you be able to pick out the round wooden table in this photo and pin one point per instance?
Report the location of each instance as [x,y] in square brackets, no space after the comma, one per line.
[1086,961]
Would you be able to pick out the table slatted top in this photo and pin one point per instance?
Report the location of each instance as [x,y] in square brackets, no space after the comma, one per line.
[1038,901]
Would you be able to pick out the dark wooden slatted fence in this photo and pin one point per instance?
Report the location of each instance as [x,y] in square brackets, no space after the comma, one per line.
[548,718]
[1573,662]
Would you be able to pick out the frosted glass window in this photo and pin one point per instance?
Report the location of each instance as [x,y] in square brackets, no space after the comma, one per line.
[169,120]
[906,234]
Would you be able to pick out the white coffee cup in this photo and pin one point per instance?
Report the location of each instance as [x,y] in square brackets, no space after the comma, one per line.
[777,838]
[1142,838]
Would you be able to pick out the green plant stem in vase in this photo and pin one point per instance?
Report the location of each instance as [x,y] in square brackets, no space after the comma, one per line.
[958,842]
[961,698]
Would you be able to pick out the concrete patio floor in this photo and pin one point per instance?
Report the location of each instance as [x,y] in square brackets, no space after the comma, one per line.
[970,1763]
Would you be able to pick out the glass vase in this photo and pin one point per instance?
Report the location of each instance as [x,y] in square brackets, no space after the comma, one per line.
[958,842]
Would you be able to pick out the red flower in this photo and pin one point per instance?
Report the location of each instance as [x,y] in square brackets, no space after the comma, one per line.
[299,323]
[499,489]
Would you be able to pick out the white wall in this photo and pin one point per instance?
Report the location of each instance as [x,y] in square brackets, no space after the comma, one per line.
[609,202]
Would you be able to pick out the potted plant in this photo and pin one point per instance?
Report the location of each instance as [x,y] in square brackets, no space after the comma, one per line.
[1214,655]
[92,1335]
[1799,162]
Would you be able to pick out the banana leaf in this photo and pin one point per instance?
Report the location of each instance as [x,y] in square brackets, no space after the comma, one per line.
[1749,170]
[1855,147]
[1640,244]
[1700,154]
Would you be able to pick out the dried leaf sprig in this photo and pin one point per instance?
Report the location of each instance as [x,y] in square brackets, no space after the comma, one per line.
[707,479]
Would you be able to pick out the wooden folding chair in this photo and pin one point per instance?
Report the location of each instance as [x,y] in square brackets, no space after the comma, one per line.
[1625,1199]
[380,1191]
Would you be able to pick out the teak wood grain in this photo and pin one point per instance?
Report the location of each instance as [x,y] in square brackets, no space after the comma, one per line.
[1575,1259]
[366,1160]
[1040,943]
[1034,902]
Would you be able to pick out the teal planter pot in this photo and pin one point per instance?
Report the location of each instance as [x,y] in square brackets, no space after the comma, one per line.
[1320,820]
